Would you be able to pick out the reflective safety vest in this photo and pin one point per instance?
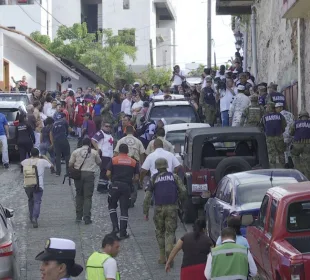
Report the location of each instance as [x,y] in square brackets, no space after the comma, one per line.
[229,262]
[94,266]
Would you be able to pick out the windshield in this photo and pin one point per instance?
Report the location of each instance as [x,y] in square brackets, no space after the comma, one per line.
[254,192]
[17,97]
[174,114]
[10,114]
[176,137]
[298,217]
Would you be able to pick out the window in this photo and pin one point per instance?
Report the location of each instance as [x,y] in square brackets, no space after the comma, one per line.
[126,4]
[128,36]
[176,137]
[263,212]
[298,218]
[227,195]
[273,211]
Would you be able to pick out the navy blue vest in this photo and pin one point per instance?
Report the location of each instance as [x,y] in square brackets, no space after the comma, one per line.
[273,124]
[302,130]
[262,99]
[165,189]
[278,97]
[209,96]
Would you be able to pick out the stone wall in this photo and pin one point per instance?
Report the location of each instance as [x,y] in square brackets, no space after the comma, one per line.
[277,48]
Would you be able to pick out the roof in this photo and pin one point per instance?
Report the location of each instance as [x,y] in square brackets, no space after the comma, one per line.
[184,126]
[28,38]
[300,189]
[12,105]
[86,72]
[265,174]
[247,131]
[173,97]
[172,103]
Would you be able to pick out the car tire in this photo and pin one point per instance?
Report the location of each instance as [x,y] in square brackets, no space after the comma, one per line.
[190,211]
[231,165]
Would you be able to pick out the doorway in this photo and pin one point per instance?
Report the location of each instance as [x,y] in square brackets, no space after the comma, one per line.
[41,79]
[6,75]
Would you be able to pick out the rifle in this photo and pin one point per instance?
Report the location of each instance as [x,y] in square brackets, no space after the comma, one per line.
[66,176]
[181,214]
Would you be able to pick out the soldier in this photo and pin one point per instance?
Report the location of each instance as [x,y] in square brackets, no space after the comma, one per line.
[254,113]
[301,146]
[274,125]
[262,91]
[275,96]
[167,189]
[238,105]
[207,100]
[106,113]
[289,117]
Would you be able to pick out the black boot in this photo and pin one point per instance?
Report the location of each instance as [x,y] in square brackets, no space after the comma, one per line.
[115,229]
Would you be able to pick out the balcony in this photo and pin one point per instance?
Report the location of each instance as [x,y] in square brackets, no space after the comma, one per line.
[234,7]
[296,9]
[165,10]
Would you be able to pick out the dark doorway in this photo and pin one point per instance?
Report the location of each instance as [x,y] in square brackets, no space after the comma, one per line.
[41,79]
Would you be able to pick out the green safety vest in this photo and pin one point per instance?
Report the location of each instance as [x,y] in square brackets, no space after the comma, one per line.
[94,266]
[229,262]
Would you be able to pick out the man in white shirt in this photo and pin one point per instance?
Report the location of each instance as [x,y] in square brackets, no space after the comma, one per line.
[126,104]
[51,112]
[178,77]
[230,250]
[149,163]
[156,91]
[35,193]
[110,249]
[226,97]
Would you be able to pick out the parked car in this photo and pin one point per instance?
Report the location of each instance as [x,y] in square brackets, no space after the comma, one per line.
[9,268]
[175,134]
[210,154]
[242,193]
[12,111]
[173,97]
[25,98]
[173,111]
[280,236]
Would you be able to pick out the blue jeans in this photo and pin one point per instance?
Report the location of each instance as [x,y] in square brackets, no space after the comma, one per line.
[46,147]
[225,118]
[34,201]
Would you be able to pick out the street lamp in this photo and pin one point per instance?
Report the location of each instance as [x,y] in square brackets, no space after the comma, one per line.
[238,46]
[238,36]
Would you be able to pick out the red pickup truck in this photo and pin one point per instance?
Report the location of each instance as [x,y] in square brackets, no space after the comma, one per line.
[280,238]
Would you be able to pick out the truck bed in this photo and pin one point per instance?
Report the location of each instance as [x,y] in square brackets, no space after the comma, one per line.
[302,243]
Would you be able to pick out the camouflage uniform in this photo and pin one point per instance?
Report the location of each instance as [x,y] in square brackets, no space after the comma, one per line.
[300,149]
[165,216]
[237,108]
[289,117]
[106,114]
[253,115]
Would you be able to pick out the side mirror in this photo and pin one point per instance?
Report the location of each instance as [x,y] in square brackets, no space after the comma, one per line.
[247,220]
[9,213]
[177,148]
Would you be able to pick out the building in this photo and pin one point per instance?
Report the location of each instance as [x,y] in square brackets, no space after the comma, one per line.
[153,21]
[22,56]
[276,37]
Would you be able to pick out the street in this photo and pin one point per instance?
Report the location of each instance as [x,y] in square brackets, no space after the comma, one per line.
[139,253]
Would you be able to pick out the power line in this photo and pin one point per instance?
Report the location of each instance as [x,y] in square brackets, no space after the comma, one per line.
[30,16]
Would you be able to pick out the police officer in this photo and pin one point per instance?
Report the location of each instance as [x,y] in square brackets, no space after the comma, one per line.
[230,260]
[122,171]
[167,189]
[274,126]
[58,135]
[102,265]
[136,151]
[207,101]
[58,260]
[301,146]
[254,113]
[103,142]
[274,95]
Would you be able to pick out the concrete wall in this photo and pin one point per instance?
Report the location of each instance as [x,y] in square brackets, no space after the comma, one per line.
[277,46]
[164,50]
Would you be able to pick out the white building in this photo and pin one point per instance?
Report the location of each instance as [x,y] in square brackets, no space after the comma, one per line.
[154,22]
[21,56]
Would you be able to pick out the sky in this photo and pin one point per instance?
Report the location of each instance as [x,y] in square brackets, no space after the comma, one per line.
[192,34]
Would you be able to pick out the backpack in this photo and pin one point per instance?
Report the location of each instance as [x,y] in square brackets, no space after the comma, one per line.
[31,177]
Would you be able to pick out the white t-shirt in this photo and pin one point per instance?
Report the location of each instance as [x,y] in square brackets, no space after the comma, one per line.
[149,163]
[50,113]
[47,106]
[126,106]
[177,80]
[41,165]
[137,105]
[225,99]
[110,268]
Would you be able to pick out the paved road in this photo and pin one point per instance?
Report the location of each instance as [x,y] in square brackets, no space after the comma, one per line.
[139,253]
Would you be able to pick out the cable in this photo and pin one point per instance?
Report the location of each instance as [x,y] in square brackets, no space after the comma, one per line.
[30,16]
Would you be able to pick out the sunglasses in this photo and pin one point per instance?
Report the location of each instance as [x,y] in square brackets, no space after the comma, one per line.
[107,126]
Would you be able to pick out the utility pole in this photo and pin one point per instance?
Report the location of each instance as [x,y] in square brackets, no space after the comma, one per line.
[209,16]
[215,60]
[151,52]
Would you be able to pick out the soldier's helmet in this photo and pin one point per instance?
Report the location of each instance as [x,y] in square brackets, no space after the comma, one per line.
[303,113]
[254,98]
[209,79]
[161,163]
[271,104]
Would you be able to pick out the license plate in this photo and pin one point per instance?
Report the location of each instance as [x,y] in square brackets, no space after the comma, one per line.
[199,187]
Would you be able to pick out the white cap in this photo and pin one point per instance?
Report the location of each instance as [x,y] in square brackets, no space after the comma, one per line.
[136,83]
[164,121]
[241,87]
[61,244]
[235,72]
[278,105]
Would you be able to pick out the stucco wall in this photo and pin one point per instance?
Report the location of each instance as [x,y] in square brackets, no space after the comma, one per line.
[277,46]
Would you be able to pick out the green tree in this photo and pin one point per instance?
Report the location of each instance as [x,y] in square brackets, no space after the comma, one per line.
[197,72]
[153,75]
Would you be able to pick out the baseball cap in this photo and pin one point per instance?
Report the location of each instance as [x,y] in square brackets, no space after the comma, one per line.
[136,84]
[278,105]
[241,87]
